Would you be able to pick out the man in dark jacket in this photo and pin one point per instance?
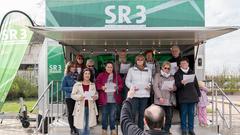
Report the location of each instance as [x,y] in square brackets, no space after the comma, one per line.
[175,63]
[188,95]
[175,51]
[153,118]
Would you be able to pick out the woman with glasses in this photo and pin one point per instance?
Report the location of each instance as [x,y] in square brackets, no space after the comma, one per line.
[85,110]
[139,79]
[163,87]
[90,64]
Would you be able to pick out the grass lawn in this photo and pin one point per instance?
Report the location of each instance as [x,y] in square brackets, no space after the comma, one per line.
[14,106]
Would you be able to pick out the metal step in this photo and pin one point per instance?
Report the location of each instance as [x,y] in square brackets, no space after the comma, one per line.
[60,127]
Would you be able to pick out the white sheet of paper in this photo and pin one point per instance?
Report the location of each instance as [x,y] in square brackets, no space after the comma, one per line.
[110,87]
[167,85]
[189,78]
[140,86]
[174,68]
[88,95]
[124,68]
[151,66]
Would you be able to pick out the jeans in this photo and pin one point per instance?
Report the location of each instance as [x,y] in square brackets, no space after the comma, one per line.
[70,107]
[109,112]
[139,105]
[86,129]
[168,117]
[187,110]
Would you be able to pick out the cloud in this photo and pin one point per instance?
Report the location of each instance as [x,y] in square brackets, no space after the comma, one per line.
[223,52]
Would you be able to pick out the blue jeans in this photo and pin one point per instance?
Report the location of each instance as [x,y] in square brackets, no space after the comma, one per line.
[109,112]
[86,129]
[139,105]
[187,110]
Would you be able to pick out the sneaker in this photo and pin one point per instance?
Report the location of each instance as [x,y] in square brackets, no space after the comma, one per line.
[104,132]
[206,125]
[113,132]
[201,124]
[191,133]
[72,132]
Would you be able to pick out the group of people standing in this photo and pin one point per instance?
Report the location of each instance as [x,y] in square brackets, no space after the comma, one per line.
[86,91]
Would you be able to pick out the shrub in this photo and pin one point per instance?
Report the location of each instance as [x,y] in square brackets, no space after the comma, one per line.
[22,88]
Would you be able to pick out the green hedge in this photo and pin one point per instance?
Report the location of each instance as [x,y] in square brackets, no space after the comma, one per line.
[22,88]
[230,91]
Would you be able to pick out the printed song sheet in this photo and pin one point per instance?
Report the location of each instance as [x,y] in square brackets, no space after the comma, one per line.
[189,78]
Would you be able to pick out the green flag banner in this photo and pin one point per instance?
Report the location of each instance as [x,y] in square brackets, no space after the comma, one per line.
[14,39]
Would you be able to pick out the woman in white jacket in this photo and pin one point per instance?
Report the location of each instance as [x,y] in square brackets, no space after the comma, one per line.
[139,78]
[85,110]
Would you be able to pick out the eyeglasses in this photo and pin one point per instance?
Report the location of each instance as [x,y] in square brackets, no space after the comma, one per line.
[90,65]
[166,68]
[140,60]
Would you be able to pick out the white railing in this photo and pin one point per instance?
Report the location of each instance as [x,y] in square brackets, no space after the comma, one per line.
[51,106]
[219,101]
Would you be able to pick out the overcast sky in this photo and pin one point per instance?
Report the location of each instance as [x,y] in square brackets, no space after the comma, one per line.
[221,53]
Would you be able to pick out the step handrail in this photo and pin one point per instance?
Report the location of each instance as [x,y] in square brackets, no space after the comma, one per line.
[223,93]
[221,110]
[49,99]
[42,95]
[41,122]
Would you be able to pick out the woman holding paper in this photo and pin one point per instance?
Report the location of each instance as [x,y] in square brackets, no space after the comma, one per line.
[139,78]
[188,94]
[85,110]
[163,86]
[109,85]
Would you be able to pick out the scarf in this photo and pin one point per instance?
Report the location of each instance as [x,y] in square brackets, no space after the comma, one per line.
[166,75]
[185,70]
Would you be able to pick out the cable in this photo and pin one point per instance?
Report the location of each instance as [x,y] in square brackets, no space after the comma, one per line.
[17,11]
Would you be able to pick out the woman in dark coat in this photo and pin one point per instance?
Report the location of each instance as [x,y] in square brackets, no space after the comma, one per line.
[187,94]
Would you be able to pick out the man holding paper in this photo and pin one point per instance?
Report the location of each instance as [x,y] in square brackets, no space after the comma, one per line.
[188,95]
[175,60]
[123,65]
[163,86]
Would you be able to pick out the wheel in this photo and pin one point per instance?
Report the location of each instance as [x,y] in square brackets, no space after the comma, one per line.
[25,123]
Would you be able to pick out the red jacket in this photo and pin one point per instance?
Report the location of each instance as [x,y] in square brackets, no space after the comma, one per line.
[101,80]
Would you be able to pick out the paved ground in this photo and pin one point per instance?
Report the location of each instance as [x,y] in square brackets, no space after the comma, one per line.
[13,127]
[175,130]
